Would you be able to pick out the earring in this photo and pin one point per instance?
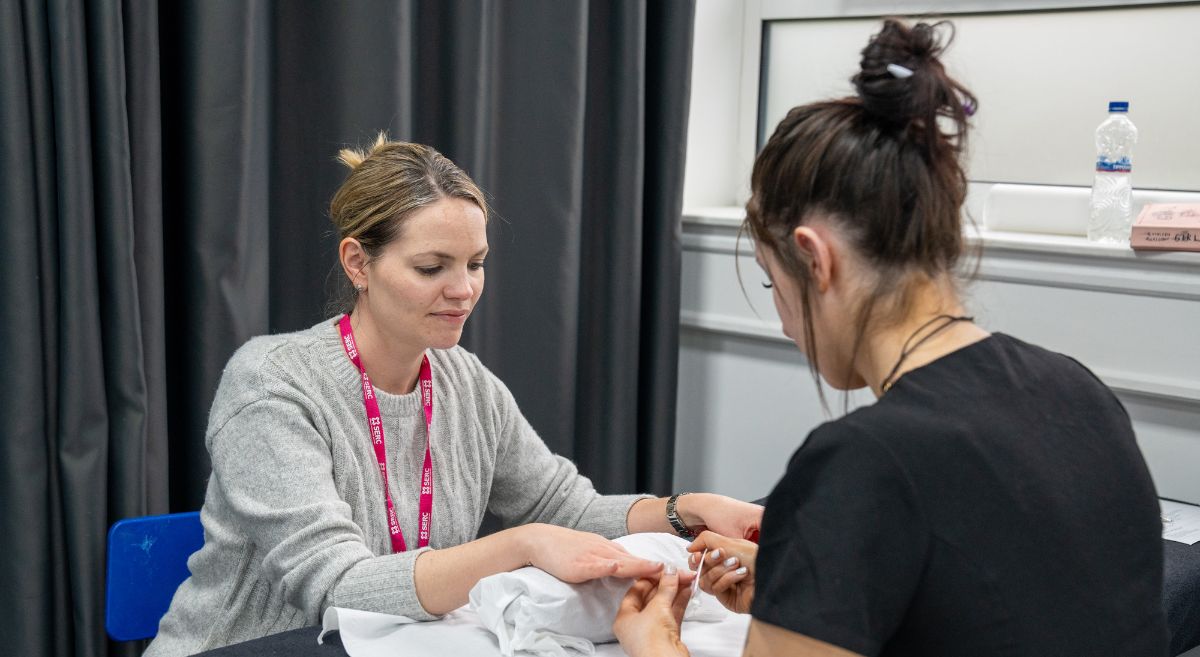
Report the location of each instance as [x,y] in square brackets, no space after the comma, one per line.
[360,287]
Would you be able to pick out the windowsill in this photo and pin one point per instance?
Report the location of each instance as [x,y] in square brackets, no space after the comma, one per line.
[726,216]
[1073,245]
[731,217]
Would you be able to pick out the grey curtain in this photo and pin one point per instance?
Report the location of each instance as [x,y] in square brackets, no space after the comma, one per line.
[166,171]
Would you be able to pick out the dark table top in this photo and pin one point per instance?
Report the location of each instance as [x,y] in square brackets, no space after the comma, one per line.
[296,643]
[1181,599]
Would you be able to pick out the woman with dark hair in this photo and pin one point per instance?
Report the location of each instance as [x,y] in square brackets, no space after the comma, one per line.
[334,487]
[993,501]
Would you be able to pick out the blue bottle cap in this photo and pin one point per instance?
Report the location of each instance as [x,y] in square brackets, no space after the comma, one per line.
[1118,106]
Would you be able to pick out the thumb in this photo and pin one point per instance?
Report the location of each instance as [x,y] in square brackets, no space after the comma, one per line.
[668,585]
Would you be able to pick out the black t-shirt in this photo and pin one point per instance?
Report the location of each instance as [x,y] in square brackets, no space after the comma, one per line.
[993,502]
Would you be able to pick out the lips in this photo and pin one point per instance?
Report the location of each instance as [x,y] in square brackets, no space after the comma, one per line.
[455,316]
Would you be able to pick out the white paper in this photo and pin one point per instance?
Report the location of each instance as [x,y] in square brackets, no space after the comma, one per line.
[1181,522]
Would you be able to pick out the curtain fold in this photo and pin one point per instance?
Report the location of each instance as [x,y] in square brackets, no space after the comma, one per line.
[27,469]
[84,440]
[668,77]
[167,171]
[215,75]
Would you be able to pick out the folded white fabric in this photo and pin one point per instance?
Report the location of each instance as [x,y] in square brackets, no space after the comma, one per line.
[535,613]
[368,634]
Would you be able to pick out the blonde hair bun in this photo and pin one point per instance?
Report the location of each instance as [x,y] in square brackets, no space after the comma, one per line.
[353,157]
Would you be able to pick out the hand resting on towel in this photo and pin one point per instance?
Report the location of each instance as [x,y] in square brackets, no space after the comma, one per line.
[531,611]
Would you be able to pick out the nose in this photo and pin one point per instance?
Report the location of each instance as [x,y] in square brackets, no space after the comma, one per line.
[461,287]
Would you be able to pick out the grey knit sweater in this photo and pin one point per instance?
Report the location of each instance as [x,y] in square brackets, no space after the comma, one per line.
[294,517]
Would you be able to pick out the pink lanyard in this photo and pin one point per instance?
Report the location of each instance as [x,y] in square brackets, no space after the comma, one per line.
[375,423]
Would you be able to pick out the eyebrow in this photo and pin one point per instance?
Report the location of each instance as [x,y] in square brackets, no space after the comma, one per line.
[441,255]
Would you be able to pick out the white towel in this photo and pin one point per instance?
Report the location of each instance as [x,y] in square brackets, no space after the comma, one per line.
[535,613]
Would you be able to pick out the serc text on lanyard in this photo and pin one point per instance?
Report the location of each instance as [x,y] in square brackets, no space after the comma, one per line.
[375,424]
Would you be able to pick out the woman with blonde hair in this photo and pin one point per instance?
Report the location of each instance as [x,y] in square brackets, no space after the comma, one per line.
[353,462]
[993,500]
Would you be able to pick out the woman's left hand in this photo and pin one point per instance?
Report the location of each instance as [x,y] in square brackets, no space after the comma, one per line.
[647,623]
[720,514]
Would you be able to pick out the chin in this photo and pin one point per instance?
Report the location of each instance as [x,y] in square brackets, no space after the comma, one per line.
[448,341]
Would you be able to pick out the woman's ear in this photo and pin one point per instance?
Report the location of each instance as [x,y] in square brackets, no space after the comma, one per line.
[354,260]
[816,247]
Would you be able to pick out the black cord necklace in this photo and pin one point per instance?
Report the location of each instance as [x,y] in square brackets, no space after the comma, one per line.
[906,350]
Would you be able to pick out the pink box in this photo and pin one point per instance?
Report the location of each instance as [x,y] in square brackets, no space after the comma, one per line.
[1167,227]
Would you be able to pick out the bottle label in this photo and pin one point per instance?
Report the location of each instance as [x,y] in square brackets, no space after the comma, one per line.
[1105,165]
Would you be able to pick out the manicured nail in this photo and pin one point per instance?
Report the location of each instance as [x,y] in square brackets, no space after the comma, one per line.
[670,569]
[716,554]
[741,571]
[730,561]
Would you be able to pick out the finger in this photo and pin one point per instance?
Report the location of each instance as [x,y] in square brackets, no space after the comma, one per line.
[708,557]
[631,566]
[635,598]
[703,542]
[594,568]
[680,603]
[730,580]
[713,573]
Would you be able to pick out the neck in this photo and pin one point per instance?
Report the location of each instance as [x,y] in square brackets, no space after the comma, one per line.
[393,365]
[885,347]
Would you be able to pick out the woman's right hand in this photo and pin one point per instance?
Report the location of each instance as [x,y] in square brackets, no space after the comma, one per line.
[574,556]
[728,572]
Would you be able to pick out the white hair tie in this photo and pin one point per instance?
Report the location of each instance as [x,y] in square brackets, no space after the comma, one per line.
[899,71]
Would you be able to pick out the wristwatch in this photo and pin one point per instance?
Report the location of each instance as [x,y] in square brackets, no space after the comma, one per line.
[675,520]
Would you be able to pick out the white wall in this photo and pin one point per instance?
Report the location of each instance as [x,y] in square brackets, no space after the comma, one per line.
[1043,80]
[746,399]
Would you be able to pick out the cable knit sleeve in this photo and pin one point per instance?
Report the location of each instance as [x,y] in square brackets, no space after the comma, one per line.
[275,471]
[532,484]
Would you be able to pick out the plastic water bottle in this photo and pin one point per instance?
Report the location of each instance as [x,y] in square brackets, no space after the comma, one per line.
[1112,190]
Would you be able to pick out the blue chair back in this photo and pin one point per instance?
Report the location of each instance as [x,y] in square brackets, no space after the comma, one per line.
[147,561]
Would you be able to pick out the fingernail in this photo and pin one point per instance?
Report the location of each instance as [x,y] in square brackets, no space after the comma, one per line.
[670,569]
[716,554]
[730,561]
[741,571]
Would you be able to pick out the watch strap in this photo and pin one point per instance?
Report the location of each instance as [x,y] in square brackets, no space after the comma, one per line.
[673,517]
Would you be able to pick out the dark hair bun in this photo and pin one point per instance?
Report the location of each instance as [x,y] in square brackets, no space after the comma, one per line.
[914,101]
